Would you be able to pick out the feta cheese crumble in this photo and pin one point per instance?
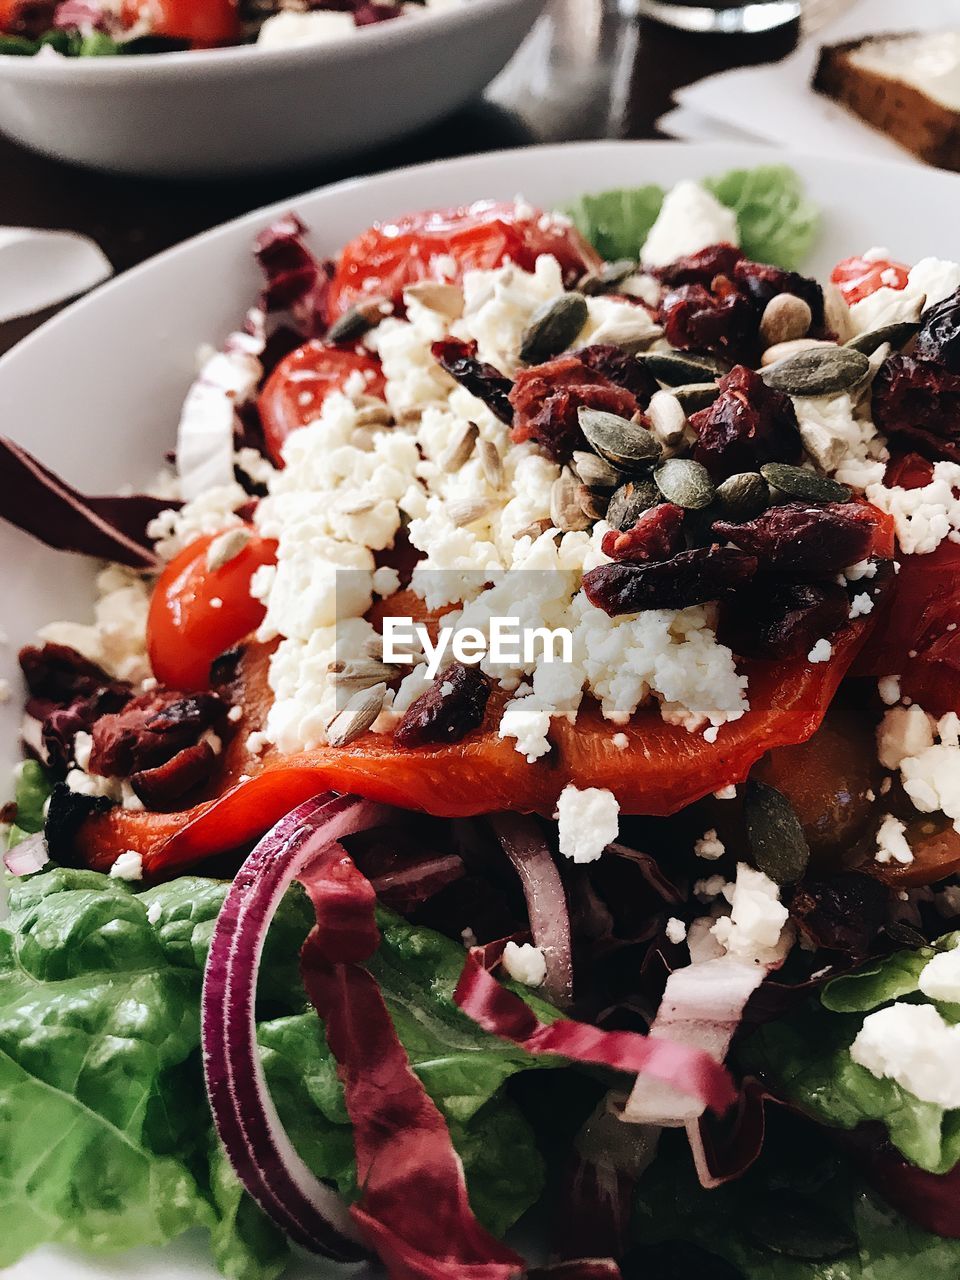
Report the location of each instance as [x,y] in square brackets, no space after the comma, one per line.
[675,930]
[525,963]
[913,1045]
[129,866]
[892,844]
[709,846]
[756,930]
[588,821]
[940,978]
[822,651]
[690,219]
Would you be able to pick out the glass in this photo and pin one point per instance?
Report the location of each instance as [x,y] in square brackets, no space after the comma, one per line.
[694,15]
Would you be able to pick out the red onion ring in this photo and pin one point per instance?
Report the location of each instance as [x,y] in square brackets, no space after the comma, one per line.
[28,856]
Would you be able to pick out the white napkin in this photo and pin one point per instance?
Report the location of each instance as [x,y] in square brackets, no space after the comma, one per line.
[775,103]
[40,268]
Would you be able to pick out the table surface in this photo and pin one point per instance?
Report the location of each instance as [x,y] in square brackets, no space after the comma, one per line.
[586,72]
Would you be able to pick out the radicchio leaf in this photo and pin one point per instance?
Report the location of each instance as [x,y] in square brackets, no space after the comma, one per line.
[296,281]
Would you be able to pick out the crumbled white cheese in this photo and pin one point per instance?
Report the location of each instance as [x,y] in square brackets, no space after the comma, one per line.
[710,887]
[861,605]
[116,640]
[892,844]
[925,516]
[940,977]
[620,741]
[862,569]
[82,747]
[525,963]
[154,912]
[903,731]
[726,793]
[690,219]
[675,930]
[822,651]
[129,866]
[212,511]
[913,1045]
[709,846]
[588,821]
[929,282]
[888,688]
[92,784]
[289,29]
[526,720]
[756,929]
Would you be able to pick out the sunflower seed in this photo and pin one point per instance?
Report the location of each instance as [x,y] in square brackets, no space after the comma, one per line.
[460,448]
[836,312]
[361,673]
[800,485]
[357,716]
[897,334]
[533,530]
[372,412]
[630,501]
[553,327]
[821,371]
[625,444]
[359,320]
[592,504]
[356,506]
[227,546]
[445,299]
[774,833]
[594,471]
[464,511]
[491,462]
[633,333]
[685,482]
[565,509]
[782,350]
[675,367]
[743,496]
[605,277]
[695,395]
[667,418]
[785,317]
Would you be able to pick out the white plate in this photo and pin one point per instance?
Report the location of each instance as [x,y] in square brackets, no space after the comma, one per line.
[96,392]
[249,110]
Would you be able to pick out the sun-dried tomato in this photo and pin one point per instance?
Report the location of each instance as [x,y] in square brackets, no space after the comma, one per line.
[151,729]
[700,268]
[939,336]
[778,619]
[795,538]
[451,708]
[657,535]
[165,785]
[696,320]
[57,674]
[761,282]
[546,398]
[621,368]
[747,425]
[919,402]
[692,577]
[481,380]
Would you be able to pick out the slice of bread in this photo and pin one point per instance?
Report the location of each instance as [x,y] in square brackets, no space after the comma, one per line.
[907,85]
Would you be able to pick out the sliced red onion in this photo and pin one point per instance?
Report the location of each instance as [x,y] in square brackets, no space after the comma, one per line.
[27,857]
[525,846]
[246,1119]
[407,886]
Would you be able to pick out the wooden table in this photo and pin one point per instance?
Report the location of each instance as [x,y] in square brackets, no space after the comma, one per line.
[585,73]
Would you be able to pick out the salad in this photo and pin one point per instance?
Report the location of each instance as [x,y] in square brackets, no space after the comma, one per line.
[333,926]
[104,28]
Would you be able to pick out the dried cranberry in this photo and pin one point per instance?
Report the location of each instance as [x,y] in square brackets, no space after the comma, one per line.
[747,425]
[692,577]
[657,535]
[61,726]
[546,399]
[165,785]
[777,619]
[696,320]
[58,674]
[151,729]
[621,368]
[844,913]
[485,382]
[919,402]
[451,708]
[700,268]
[762,282]
[939,336]
[799,539]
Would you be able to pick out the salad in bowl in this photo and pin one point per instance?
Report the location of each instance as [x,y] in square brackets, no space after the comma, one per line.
[515,762]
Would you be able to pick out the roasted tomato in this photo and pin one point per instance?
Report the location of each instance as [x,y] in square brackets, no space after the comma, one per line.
[297,388]
[857,278]
[444,243]
[197,611]
[201,22]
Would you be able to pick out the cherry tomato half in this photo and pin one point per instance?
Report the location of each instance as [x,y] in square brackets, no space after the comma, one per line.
[443,244]
[202,22]
[857,278]
[297,388]
[197,612]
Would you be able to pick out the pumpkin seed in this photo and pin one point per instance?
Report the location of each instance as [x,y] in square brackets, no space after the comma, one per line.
[695,395]
[553,327]
[460,448]
[801,485]
[785,318]
[676,367]
[603,279]
[667,418]
[593,505]
[685,482]
[774,833]
[464,511]
[821,371]
[626,444]
[445,299]
[565,509]
[491,462]
[897,334]
[781,350]
[743,496]
[630,501]
[359,320]
[595,471]
[357,716]
[905,934]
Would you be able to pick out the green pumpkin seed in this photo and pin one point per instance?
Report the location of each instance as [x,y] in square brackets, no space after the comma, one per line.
[553,327]
[607,277]
[676,367]
[743,496]
[695,395]
[630,501]
[820,371]
[897,334]
[801,485]
[359,320]
[774,833]
[685,482]
[906,935]
[626,444]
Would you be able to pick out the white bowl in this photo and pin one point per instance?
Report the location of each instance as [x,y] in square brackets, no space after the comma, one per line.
[96,392]
[250,110]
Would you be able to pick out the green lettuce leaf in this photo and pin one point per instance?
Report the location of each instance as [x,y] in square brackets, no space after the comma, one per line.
[777,223]
[882,981]
[107,1138]
[31,793]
